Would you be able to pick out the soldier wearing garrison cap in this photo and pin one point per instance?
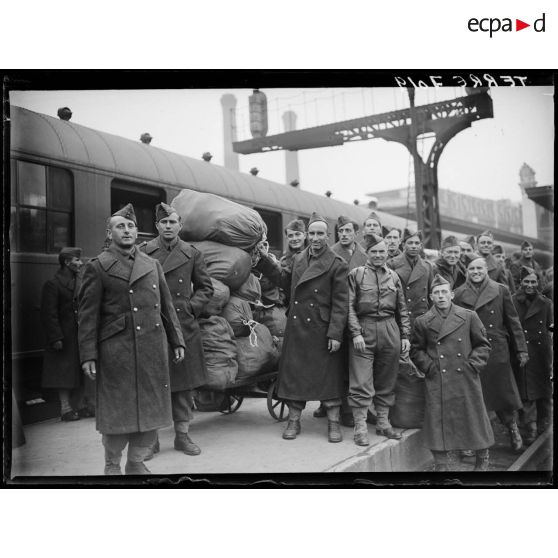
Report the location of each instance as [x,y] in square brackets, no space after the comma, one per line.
[415,273]
[191,288]
[449,264]
[379,328]
[534,379]
[526,260]
[61,366]
[493,304]
[468,246]
[449,345]
[311,367]
[126,318]
[392,236]
[500,256]
[295,232]
[485,244]
[372,224]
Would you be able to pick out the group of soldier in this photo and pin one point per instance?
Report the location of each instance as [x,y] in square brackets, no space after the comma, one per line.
[129,320]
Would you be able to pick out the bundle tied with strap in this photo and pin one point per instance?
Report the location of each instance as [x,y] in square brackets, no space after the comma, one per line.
[253,336]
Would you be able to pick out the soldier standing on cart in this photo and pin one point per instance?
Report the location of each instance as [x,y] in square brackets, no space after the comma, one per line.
[184,268]
[126,316]
[311,367]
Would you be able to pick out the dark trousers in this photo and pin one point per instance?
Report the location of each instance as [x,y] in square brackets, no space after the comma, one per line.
[328,404]
[182,406]
[539,411]
[507,417]
[373,372]
[139,446]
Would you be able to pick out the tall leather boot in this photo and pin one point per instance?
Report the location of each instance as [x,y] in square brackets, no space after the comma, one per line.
[531,433]
[361,428]
[383,427]
[452,461]
[515,437]
[293,426]
[482,460]
[334,433]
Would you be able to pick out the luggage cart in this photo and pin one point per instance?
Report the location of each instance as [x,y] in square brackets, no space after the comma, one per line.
[263,386]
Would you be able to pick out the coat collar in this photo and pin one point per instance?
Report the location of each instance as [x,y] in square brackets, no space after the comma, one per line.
[401,264]
[318,267]
[475,299]
[142,266]
[66,278]
[534,308]
[179,255]
[454,320]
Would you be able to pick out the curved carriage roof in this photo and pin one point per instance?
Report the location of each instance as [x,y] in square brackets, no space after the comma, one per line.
[45,136]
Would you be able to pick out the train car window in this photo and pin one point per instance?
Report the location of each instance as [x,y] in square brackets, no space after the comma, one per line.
[274,223]
[143,198]
[44,207]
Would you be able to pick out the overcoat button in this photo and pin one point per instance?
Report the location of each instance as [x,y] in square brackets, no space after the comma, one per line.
[138,328]
[441,356]
[154,286]
[540,322]
[489,325]
[178,309]
[307,319]
[135,309]
[131,291]
[443,369]
[527,342]
[423,300]
[156,305]
[166,385]
[540,332]
[408,300]
[296,301]
[315,290]
[459,339]
[458,354]
[459,369]
[525,331]
[490,339]
[180,280]
[177,294]
[439,343]
[492,311]
[157,325]
[294,317]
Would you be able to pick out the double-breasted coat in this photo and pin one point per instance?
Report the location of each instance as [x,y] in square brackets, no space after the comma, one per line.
[416,283]
[191,288]
[452,353]
[125,318]
[317,312]
[536,317]
[455,275]
[497,272]
[493,304]
[357,259]
[61,369]
[515,270]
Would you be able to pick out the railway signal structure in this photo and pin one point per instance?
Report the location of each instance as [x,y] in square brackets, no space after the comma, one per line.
[441,120]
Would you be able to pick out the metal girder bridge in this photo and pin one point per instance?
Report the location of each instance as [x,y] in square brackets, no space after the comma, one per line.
[442,119]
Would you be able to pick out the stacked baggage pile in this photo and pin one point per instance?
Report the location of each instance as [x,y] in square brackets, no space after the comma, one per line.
[241,336]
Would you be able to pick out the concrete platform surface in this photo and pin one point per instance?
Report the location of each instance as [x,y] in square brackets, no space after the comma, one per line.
[247,441]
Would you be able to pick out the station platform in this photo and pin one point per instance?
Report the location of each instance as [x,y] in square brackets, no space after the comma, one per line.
[247,441]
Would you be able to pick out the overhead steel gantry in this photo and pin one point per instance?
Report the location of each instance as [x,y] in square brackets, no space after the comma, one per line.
[444,119]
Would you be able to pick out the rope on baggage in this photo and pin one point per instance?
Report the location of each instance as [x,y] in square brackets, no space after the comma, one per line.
[253,335]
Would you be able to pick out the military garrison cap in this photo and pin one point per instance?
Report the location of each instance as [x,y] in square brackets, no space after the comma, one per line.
[374,215]
[450,241]
[409,234]
[387,230]
[163,210]
[127,212]
[485,233]
[526,244]
[295,225]
[316,217]
[469,240]
[343,220]
[437,281]
[497,249]
[370,240]
[470,258]
[525,271]
[68,253]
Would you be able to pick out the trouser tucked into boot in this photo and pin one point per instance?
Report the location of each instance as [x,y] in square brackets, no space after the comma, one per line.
[334,433]
[361,428]
[293,425]
[383,426]
[509,419]
[139,445]
[482,460]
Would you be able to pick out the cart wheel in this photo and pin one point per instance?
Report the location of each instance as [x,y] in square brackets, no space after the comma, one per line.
[231,404]
[276,407]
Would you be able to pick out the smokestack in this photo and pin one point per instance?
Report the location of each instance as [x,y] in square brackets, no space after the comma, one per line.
[291,157]
[64,113]
[228,103]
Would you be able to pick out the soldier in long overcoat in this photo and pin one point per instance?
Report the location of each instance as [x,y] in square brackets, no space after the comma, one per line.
[61,365]
[126,317]
[449,345]
[485,245]
[526,260]
[493,304]
[311,367]
[191,288]
[415,274]
[534,379]
[500,256]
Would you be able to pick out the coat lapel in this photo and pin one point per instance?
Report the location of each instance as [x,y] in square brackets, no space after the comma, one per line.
[177,257]
[417,272]
[434,321]
[453,321]
[66,279]
[318,267]
[109,262]
[488,293]
[535,307]
[142,266]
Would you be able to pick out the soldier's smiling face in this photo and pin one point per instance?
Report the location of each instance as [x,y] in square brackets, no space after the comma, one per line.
[377,255]
[122,232]
[169,227]
[477,270]
[466,248]
[295,239]
[530,283]
[74,264]
[441,296]
[451,254]
[485,245]
[317,235]
[346,234]
[527,252]
[412,246]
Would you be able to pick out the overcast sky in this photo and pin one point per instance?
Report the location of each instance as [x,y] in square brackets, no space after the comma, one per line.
[483,160]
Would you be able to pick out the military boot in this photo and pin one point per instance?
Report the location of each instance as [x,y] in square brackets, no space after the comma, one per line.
[320,412]
[293,426]
[183,442]
[440,461]
[452,461]
[383,427]
[155,448]
[515,437]
[530,433]
[112,462]
[482,460]
[136,468]
[361,428]
[334,433]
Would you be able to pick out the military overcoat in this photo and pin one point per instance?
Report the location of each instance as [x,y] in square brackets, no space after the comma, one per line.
[125,318]
[452,353]
[61,369]
[515,270]
[416,283]
[493,304]
[191,288]
[455,275]
[317,312]
[497,272]
[533,380]
[357,259]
